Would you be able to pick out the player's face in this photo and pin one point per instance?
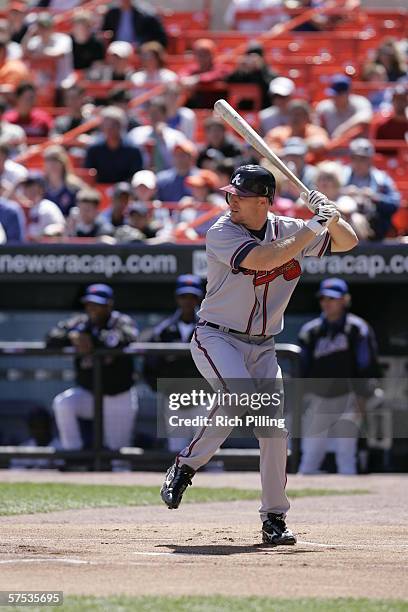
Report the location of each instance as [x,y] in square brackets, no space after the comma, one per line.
[98,313]
[247,210]
[332,308]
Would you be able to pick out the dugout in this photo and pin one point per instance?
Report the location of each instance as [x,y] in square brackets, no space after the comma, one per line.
[42,284]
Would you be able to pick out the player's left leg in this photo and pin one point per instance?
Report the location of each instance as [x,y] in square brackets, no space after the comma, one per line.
[119,413]
[264,367]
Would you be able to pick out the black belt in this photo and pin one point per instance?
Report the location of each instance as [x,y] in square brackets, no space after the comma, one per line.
[228,330]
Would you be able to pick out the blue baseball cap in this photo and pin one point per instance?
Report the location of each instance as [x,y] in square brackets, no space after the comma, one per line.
[189,284]
[339,83]
[98,294]
[333,287]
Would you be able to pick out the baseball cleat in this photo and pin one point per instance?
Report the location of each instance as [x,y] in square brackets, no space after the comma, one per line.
[276,533]
[176,482]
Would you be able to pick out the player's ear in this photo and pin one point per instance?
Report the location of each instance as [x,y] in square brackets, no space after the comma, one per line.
[347,300]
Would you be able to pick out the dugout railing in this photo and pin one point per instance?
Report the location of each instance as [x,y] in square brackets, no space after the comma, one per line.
[99,457]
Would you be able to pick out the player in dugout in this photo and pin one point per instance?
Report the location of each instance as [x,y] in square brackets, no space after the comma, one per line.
[100,326]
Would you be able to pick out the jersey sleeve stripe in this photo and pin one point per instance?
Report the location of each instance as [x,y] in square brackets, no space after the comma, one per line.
[246,243]
[325,245]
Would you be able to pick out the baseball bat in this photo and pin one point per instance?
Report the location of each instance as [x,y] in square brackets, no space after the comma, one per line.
[238,123]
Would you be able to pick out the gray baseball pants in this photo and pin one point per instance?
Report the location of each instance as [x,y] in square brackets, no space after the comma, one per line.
[228,359]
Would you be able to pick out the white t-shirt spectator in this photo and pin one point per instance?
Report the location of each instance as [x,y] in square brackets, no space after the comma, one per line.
[144,135]
[58,45]
[14,135]
[12,174]
[330,118]
[14,50]
[42,215]
[260,25]
[3,237]
[141,78]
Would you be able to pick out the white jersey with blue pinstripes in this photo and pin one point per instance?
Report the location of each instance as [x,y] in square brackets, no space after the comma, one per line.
[251,301]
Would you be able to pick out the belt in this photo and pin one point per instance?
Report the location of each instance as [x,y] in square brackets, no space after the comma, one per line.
[228,330]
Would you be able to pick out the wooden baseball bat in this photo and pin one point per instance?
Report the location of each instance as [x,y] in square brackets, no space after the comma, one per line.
[238,123]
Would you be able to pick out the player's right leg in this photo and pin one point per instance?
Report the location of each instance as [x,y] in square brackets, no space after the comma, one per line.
[220,359]
[68,406]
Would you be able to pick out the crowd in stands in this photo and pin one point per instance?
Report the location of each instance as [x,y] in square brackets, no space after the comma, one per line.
[87,154]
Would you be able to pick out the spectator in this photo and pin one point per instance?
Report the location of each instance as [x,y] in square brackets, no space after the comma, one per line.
[12,71]
[116,213]
[300,125]
[179,117]
[179,327]
[343,110]
[58,6]
[134,25]
[216,137]
[224,169]
[74,101]
[42,42]
[154,71]
[389,56]
[375,73]
[328,180]
[281,91]
[12,222]
[17,21]
[120,97]
[44,218]
[204,70]
[13,135]
[336,348]
[139,217]
[203,186]
[14,50]
[171,186]
[374,191]
[114,157]
[11,173]
[294,155]
[252,68]
[210,158]
[98,327]
[117,66]
[34,121]
[144,184]
[271,12]
[61,183]
[157,139]
[392,125]
[87,48]
[87,222]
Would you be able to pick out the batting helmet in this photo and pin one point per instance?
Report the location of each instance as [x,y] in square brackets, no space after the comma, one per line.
[252,180]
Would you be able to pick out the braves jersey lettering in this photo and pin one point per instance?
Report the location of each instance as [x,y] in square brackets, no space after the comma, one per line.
[244,299]
[289,271]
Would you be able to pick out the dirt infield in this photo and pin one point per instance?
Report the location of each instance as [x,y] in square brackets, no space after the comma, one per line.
[354,546]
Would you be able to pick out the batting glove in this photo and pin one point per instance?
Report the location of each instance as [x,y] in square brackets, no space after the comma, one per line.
[325,215]
[314,199]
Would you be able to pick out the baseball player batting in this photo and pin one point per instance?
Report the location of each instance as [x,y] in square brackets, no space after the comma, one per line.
[254,264]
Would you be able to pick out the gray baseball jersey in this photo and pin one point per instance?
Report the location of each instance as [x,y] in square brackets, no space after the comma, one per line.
[251,301]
